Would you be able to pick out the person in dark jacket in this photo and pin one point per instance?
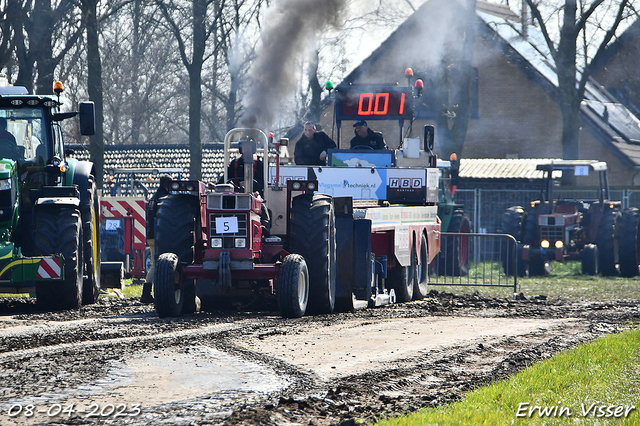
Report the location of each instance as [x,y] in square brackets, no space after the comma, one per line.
[152,208]
[311,148]
[235,173]
[366,137]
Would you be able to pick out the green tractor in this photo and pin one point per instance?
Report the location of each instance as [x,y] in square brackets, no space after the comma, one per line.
[453,259]
[49,206]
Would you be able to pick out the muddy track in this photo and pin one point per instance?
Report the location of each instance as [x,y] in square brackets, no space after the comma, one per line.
[252,367]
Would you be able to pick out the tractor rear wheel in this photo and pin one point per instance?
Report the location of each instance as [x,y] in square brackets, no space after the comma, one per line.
[169,296]
[628,239]
[420,288]
[91,244]
[454,257]
[293,288]
[59,231]
[605,240]
[175,233]
[312,230]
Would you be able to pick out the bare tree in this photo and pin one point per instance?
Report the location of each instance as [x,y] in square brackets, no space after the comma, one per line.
[592,25]
[145,98]
[192,38]
[232,50]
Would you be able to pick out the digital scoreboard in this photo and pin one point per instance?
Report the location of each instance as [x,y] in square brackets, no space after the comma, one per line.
[373,103]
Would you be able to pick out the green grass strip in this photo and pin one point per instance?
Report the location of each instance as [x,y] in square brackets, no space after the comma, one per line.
[594,384]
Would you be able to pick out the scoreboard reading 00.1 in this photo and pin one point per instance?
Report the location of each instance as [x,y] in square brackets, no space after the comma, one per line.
[373,103]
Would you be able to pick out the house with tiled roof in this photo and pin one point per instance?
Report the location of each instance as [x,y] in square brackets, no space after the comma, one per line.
[515,112]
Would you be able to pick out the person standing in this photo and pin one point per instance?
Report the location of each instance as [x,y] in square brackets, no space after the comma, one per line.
[152,208]
[311,148]
[365,137]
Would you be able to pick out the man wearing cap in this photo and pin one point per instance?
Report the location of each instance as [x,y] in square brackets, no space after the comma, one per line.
[365,137]
[311,148]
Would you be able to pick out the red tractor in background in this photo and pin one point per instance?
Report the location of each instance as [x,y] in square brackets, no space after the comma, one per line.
[564,229]
[123,221]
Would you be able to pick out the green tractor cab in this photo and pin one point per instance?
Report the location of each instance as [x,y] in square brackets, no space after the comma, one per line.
[49,207]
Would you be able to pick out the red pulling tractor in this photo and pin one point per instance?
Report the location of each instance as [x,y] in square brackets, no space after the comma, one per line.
[332,238]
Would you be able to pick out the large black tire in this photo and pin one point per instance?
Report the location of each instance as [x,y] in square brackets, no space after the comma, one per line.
[628,239]
[59,231]
[590,260]
[175,226]
[513,220]
[169,297]
[530,233]
[454,257]
[293,288]
[91,244]
[312,233]
[403,279]
[606,242]
[175,233]
[420,289]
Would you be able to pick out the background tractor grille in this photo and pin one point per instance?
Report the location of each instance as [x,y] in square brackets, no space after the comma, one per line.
[552,233]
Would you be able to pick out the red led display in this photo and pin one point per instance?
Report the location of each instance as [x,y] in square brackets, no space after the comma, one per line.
[371,103]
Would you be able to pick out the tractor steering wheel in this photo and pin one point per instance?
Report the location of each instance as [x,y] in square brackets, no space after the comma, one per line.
[362,147]
[236,180]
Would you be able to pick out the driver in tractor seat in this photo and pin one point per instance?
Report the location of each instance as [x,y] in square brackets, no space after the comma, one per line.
[366,138]
[235,173]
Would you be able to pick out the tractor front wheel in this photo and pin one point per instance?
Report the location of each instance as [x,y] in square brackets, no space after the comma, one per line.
[59,231]
[590,260]
[168,295]
[293,289]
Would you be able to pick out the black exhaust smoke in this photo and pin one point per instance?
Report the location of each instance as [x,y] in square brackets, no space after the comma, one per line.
[289,33]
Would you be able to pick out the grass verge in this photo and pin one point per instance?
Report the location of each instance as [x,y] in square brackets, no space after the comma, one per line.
[593,384]
[566,281]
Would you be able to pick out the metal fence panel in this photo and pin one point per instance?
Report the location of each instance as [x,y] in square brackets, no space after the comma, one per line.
[476,260]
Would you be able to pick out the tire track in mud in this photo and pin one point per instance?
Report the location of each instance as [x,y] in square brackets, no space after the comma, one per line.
[46,354]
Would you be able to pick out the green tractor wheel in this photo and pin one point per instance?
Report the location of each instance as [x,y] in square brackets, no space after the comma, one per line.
[59,230]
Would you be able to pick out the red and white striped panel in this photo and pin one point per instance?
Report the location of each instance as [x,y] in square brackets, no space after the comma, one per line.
[49,268]
[119,207]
